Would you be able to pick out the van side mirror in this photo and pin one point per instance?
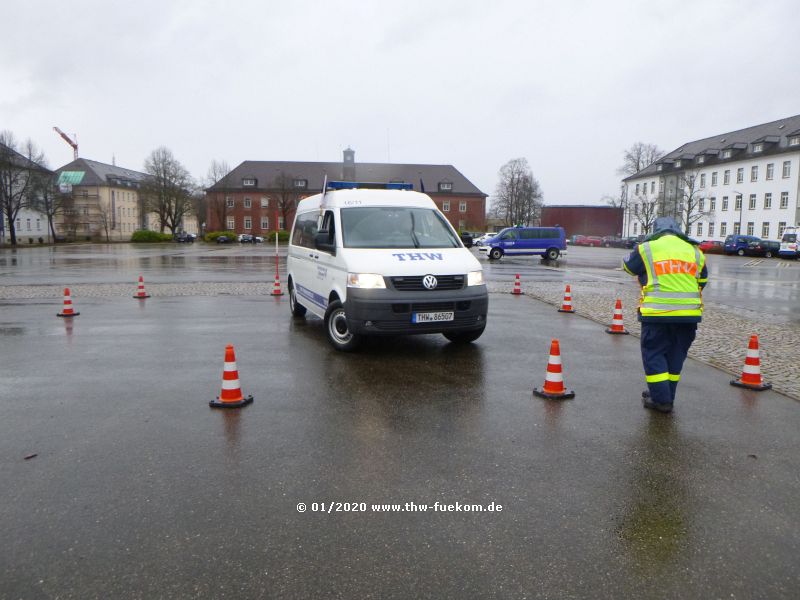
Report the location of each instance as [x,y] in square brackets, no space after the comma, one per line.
[323,241]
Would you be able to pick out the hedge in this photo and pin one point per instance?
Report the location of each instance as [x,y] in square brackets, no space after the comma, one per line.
[212,236]
[144,236]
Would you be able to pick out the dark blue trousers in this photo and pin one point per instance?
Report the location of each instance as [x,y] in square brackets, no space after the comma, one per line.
[664,348]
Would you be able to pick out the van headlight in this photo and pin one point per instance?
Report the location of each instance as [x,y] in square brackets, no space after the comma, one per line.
[365,281]
[475,278]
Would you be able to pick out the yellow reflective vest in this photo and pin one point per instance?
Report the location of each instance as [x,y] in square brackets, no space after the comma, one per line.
[674,269]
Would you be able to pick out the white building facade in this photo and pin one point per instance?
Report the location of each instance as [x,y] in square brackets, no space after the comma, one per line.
[746,181]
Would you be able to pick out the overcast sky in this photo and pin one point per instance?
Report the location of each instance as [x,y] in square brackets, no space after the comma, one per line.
[567,85]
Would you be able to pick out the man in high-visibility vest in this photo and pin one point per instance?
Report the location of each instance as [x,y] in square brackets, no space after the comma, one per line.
[672,272]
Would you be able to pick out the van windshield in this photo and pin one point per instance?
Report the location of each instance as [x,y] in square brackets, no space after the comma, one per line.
[789,238]
[395,227]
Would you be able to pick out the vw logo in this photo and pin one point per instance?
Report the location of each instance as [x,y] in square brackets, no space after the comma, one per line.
[429,281]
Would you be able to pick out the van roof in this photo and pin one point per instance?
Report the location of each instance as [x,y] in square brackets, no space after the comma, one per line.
[366,197]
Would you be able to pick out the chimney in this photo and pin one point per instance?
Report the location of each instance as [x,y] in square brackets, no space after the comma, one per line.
[349,165]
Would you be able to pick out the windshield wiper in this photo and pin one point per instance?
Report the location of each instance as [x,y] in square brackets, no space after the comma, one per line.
[413,233]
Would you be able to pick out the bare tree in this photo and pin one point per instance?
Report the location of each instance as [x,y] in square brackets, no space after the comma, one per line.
[104,219]
[691,205]
[21,172]
[639,156]
[286,195]
[518,196]
[167,191]
[645,211]
[51,202]
[216,200]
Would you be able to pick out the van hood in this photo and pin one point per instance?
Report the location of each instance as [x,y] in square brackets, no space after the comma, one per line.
[410,261]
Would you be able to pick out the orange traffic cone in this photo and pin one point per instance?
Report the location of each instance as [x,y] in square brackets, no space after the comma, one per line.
[566,306]
[517,290]
[553,388]
[140,293]
[751,372]
[616,322]
[231,394]
[68,311]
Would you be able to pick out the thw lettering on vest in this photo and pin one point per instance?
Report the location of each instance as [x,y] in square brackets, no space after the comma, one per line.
[404,256]
[675,267]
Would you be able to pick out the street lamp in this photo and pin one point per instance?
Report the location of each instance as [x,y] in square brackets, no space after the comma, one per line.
[740,197]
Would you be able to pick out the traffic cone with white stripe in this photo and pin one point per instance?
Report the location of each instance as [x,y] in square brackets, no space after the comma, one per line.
[140,293]
[517,290]
[616,322]
[553,388]
[276,288]
[751,372]
[231,394]
[566,305]
[68,311]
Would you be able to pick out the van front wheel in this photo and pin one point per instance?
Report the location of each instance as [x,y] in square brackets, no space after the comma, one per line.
[553,254]
[495,253]
[339,333]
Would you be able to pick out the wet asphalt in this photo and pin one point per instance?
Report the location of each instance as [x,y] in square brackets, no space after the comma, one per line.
[139,490]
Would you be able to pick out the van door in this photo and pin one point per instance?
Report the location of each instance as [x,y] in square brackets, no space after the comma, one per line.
[303,254]
[325,259]
[508,242]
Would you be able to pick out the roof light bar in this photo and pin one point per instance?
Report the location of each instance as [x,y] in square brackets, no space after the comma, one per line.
[355,185]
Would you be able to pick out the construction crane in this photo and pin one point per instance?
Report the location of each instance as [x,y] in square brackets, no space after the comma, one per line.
[69,140]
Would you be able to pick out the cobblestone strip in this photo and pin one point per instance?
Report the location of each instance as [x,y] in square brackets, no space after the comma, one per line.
[721,341]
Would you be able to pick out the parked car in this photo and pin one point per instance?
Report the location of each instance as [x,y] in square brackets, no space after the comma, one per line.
[467,239]
[224,239]
[737,243]
[765,248]
[483,238]
[612,241]
[573,239]
[711,246]
[245,238]
[588,240]
[632,240]
[184,238]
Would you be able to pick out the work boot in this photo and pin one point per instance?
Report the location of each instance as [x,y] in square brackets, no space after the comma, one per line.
[662,407]
[645,394]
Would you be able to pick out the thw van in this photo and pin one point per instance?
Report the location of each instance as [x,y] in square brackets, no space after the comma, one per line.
[380,259]
[789,246]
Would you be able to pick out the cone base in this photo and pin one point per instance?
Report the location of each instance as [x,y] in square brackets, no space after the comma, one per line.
[516,293]
[218,404]
[276,294]
[142,297]
[751,386]
[566,310]
[75,314]
[542,394]
[623,332]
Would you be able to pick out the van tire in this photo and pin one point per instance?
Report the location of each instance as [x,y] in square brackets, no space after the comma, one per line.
[336,327]
[298,310]
[740,252]
[463,337]
[495,253]
[552,253]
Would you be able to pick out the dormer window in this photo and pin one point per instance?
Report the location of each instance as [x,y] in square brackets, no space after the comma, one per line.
[678,164]
[300,183]
[794,140]
[726,154]
[249,182]
[659,167]
[701,160]
[758,147]
[445,186]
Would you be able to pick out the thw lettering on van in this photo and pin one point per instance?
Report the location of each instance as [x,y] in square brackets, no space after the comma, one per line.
[675,267]
[403,256]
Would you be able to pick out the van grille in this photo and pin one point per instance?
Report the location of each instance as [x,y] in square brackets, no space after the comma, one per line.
[414,283]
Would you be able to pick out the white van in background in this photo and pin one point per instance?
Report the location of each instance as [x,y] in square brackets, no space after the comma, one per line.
[380,259]
[789,244]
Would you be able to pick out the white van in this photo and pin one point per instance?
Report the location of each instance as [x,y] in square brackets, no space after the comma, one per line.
[790,247]
[374,259]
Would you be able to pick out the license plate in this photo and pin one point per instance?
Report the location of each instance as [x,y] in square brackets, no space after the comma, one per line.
[432,317]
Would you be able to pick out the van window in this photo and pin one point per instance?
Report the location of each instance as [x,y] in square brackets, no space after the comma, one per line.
[305,228]
[395,227]
[508,235]
[529,234]
[789,238]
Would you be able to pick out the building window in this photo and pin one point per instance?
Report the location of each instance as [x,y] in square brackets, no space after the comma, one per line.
[281,224]
[740,175]
[265,202]
[445,186]
[29,224]
[758,147]
[723,229]
[726,178]
[264,223]
[738,204]
[38,224]
[711,230]
[231,224]
[248,223]
[635,227]
[701,160]
[724,203]
[637,189]
[794,141]
[767,201]
[712,204]
[702,180]
[699,229]
[770,171]
[781,227]
[784,199]
[462,206]
[229,202]
[726,154]
[752,204]
[659,167]
[247,203]
[300,183]
[737,228]
[751,228]
[248,182]
[678,164]
[660,186]
[787,168]
[765,230]
[446,206]
[754,173]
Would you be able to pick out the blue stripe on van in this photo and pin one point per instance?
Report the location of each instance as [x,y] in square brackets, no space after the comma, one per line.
[311,296]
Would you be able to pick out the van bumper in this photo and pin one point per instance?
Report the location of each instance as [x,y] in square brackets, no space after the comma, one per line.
[388,312]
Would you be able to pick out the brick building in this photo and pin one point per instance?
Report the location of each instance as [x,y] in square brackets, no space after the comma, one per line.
[261,196]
